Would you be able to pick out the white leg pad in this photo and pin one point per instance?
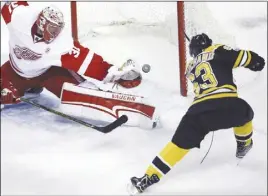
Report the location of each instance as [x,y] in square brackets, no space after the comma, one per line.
[106,106]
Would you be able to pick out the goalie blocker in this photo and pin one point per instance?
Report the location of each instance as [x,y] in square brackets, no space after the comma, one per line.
[98,105]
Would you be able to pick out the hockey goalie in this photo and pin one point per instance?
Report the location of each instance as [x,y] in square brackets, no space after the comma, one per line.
[42,54]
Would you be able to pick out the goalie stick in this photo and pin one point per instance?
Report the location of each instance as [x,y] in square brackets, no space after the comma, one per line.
[104,129]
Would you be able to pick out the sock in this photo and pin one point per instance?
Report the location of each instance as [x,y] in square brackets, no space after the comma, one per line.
[167,158]
[244,133]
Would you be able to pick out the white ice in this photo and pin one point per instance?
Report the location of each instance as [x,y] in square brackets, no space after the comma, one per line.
[42,154]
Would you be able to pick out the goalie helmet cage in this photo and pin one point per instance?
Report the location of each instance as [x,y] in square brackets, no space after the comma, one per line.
[190,19]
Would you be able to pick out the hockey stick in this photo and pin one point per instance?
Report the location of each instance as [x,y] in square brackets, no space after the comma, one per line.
[106,129]
[186,36]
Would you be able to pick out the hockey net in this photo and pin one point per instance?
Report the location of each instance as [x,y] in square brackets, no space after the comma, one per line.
[168,20]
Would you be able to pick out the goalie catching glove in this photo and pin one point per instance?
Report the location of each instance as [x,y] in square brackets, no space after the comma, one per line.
[128,75]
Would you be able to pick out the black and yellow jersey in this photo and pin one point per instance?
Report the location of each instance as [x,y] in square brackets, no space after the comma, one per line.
[211,72]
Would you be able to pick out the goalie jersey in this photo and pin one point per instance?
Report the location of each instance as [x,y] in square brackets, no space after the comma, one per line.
[31,57]
[211,71]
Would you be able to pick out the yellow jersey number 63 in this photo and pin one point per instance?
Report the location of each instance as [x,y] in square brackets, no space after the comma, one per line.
[208,78]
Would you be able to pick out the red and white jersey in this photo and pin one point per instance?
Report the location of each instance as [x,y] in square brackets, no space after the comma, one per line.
[85,62]
[30,58]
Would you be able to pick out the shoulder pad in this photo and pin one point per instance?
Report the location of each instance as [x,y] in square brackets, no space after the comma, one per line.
[212,48]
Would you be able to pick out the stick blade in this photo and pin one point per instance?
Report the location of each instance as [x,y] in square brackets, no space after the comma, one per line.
[117,123]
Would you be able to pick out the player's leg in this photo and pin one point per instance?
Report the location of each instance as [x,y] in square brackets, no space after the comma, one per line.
[232,112]
[186,137]
[13,86]
[189,134]
[87,100]
[194,126]
[55,77]
[53,80]
[235,113]
[243,134]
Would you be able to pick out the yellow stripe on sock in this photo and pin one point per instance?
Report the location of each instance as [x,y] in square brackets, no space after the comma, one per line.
[171,154]
[152,170]
[248,142]
[244,130]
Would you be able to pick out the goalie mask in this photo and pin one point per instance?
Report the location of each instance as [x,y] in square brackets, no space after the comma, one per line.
[50,23]
[198,43]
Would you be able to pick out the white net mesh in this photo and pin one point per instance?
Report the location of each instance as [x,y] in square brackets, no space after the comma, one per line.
[199,19]
[113,18]
[121,18]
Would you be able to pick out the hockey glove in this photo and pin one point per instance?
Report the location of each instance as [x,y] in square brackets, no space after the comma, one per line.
[128,75]
[257,63]
[126,83]
[9,94]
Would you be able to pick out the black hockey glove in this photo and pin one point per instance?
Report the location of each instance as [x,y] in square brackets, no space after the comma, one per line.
[257,63]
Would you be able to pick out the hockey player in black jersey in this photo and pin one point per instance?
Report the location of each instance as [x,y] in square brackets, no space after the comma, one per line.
[216,106]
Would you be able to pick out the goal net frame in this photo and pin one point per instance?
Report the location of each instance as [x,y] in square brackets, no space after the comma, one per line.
[181,40]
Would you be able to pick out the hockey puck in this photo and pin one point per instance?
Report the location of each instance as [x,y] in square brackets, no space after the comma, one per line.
[146,68]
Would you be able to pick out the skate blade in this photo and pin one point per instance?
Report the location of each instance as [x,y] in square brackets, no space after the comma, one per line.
[132,189]
[239,160]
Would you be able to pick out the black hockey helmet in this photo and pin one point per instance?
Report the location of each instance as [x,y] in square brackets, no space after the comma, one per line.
[198,43]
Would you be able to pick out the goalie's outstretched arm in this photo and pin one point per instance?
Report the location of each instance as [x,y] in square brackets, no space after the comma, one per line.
[87,63]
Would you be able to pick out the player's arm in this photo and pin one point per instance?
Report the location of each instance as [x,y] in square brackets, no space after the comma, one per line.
[250,60]
[87,63]
[242,58]
[9,8]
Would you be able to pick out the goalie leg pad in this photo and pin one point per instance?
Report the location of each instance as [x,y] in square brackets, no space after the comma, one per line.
[106,106]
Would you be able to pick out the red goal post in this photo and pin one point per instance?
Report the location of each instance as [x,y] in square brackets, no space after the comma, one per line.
[74,20]
[182,47]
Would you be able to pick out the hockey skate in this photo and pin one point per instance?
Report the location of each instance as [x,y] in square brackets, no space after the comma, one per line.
[243,148]
[138,185]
